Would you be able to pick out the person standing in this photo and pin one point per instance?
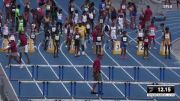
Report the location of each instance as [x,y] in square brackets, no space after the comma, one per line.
[167,42]
[124,42]
[96,72]
[146,44]
[148,14]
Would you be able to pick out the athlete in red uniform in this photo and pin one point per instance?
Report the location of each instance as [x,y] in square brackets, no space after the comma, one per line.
[13,48]
[23,47]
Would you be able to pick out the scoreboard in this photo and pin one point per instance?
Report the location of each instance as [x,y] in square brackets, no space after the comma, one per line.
[160,90]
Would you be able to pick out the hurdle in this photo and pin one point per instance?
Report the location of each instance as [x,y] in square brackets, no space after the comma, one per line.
[73,85]
[87,68]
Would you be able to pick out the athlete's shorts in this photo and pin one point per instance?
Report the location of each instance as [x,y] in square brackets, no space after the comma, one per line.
[24,49]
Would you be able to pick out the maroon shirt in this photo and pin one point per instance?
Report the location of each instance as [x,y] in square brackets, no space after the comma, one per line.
[148,14]
[23,40]
[97,65]
[13,46]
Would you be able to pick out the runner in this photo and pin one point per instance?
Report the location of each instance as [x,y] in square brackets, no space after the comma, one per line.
[113,35]
[77,42]
[99,43]
[82,32]
[57,42]
[140,35]
[33,31]
[152,28]
[167,43]
[124,43]
[59,21]
[13,48]
[23,45]
[120,22]
[76,17]
[146,44]
[5,31]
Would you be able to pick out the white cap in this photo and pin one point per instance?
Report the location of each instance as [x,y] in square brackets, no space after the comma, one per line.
[12,38]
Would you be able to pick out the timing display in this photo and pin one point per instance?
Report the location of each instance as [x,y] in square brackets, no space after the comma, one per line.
[160,90]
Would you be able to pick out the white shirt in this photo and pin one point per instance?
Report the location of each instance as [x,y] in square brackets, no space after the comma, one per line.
[84,18]
[59,16]
[6,30]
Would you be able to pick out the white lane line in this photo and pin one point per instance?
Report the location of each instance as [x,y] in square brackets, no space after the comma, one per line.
[33,78]
[51,68]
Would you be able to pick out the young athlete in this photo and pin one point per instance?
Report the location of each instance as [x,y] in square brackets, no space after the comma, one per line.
[124,43]
[120,21]
[98,43]
[76,17]
[113,31]
[33,31]
[57,42]
[140,34]
[152,28]
[167,43]
[5,31]
[23,47]
[91,19]
[13,48]
[82,32]
[77,42]
[146,44]
[59,20]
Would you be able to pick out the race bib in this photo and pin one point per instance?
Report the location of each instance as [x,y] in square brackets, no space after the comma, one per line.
[167,36]
[124,39]
[47,38]
[113,31]
[48,7]
[146,40]
[72,9]
[152,32]
[77,36]
[21,24]
[98,38]
[53,29]
[86,9]
[33,36]
[7,5]
[13,10]
[56,37]
[88,26]
[140,34]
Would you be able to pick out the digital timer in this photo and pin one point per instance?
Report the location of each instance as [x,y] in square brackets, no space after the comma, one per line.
[160,90]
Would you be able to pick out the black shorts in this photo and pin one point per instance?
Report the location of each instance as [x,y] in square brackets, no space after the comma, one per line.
[77,43]
[97,76]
